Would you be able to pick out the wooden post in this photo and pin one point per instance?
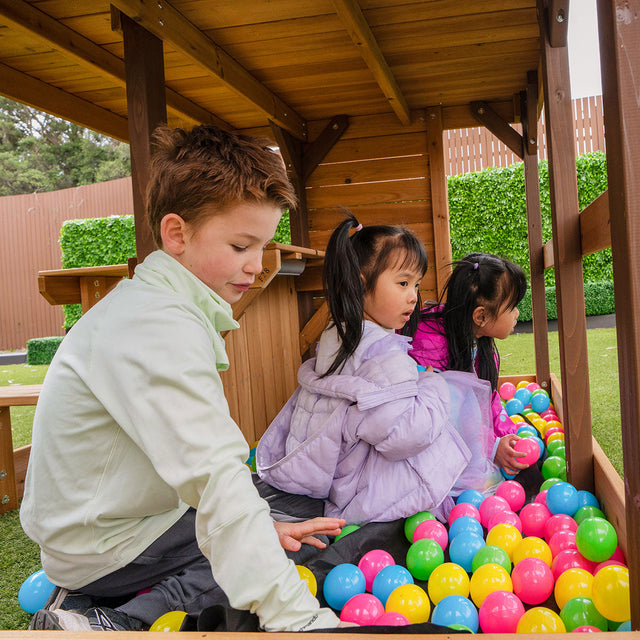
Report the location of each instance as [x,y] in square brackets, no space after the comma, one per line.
[146,105]
[439,197]
[619,32]
[572,323]
[529,101]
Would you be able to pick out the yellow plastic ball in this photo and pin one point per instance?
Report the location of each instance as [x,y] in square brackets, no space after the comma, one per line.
[555,436]
[306,575]
[505,536]
[541,425]
[555,423]
[522,384]
[170,621]
[611,593]
[516,417]
[448,579]
[486,579]
[540,620]
[411,601]
[572,583]
[532,547]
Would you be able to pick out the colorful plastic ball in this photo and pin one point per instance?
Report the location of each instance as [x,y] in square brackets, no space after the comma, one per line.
[413,521]
[363,609]
[505,536]
[586,628]
[514,407]
[500,612]
[513,493]
[611,593]
[516,418]
[527,430]
[534,386]
[372,563]
[489,506]
[530,448]
[506,390]
[581,611]
[463,509]
[540,620]
[541,446]
[532,547]
[505,517]
[460,627]
[491,554]
[555,424]
[561,540]
[423,557]
[446,580]
[562,497]
[533,517]
[587,512]
[607,563]
[170,621]
[35,591]
[522,384]
[472,496]
[559,522]
[553,437]
[308,577]
[524,395]
[532,580]
[464,523]
[487,579]
[618,555]
[542,498]
[392,619]
[456,610]
[342,583]
[464,547]
[553,446]
[625,626]
[587,499]
[554,467]
[572,583]
[549,482]
[411,601]
[596,539]
[568,559]
[560,451]
[350,528]
[433,530]
[540,402]
[388,579]
[507,476]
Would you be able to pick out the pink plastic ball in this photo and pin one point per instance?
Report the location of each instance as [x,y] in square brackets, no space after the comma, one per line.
[542,498]
[532,580]
[558,522]
[549,414]
[500,612]
[606,563]
[561,540]
[513,492]
[373,562]
[490,505]
[618,556]
[392,619]
[431,529]
[551,430]
[587,628]
[464,509]
[362,609]
[506,517]
[534,517]
[569,559]
[507,390]
[530,447]
[532,386]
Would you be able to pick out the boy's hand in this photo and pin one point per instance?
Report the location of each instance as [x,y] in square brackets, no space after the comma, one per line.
[507,457]
[293,534]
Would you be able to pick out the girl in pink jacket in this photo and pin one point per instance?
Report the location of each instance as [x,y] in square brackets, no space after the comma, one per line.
[478,305]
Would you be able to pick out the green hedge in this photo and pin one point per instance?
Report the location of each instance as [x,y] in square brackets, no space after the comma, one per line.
[42,350]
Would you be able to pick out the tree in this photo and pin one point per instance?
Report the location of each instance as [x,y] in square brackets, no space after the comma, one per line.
[39,152]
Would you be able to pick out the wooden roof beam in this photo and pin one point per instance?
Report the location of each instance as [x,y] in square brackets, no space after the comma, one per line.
[356,24]
[168,24]
[486,116]
[27,18]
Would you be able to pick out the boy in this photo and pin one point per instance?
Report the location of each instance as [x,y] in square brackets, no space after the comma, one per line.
[137,476]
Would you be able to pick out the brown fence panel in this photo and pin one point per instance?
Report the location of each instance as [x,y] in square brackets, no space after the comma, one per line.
[468,150]
[29,232]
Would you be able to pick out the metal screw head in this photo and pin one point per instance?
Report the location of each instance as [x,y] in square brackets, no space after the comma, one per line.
[3,474]
[560,16]
[5,499]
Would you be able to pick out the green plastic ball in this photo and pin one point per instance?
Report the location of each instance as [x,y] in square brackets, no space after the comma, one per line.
[554,467]
[423,557]
[596,539]
[553,445]
[581,611]
[587,511]
[548,482]
[350,528]
[413,521]
[491,554]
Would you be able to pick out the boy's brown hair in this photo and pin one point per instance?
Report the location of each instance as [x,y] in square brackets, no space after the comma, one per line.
[208,166]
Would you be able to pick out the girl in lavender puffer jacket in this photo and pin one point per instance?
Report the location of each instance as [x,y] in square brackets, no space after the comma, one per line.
[365,431]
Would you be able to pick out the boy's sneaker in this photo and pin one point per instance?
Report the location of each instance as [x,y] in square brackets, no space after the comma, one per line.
[94,619]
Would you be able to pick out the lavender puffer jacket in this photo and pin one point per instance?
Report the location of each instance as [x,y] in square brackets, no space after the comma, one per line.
[374,441]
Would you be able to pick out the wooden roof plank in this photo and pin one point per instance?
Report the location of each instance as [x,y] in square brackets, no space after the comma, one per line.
[164,21]
[351,15]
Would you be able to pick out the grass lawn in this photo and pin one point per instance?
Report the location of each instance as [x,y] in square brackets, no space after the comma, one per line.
[19,557]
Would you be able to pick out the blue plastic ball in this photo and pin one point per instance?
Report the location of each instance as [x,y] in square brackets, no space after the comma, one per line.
[587,499]
[464,523]
[456,609]
[527,430]
[389,579]
[343,582]
[541,444]
[35,591]
[524,395]
[514,406]
[540,402]
[507,476]
[472,496]
[463,547]
[562,497]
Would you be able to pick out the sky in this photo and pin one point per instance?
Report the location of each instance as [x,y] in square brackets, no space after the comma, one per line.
[584,56]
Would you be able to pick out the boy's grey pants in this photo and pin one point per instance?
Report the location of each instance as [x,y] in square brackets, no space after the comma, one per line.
[179,575]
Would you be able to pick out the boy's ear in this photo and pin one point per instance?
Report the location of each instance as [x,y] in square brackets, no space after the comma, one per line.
[173,232]
[479,316]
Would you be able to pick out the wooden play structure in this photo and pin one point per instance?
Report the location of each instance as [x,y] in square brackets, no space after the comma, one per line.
[357,94]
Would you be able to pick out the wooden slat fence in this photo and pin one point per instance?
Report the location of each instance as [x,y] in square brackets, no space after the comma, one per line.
[468,150]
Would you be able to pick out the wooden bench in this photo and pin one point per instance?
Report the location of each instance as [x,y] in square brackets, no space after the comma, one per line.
[13,464]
